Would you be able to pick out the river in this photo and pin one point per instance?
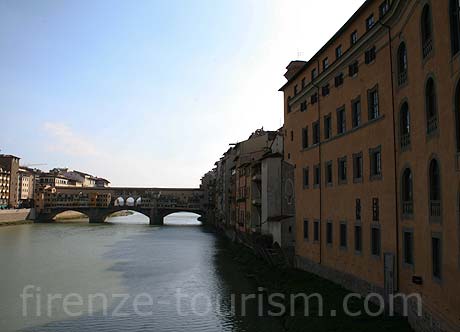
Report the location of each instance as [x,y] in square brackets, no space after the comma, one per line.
[121,276]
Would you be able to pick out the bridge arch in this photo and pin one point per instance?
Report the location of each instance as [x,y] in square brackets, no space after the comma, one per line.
[66,214]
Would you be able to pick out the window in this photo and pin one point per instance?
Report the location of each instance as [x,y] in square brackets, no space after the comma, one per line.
[313,74]
[384,8]
[356,112]
[454,11]
[408,247]
[316,133]
[353,69]
[288,104]
[343,235]
[375,209]
[341,125]
[316,231]
[292,136]
[342,170]
[375,241]
[329,234]
[303,82]
[317,174]
[431,107]
[338,51]
[314,98]
[325,63]
[327,127]
[295,90]
[358,209]
[354,37]
[427,38]
[435,191]
[325,90]
[305,138]
[357,167]
[402,64]
[404,126]
[376,162]
[407,193]
[436,256]
[305,229]
[328,170]
[303,106]
[370,22]
[373,97]
[339,80]
[370,55]
[358,238]
[306,177]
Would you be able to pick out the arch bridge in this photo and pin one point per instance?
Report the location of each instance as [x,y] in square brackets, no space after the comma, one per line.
[99,203]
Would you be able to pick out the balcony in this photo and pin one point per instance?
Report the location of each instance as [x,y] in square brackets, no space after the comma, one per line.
[402,77]
[405,141]
[432,124]
[427,47]
[408,208]
[435,211]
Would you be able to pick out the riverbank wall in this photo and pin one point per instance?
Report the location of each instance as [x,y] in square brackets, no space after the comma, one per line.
[14,217]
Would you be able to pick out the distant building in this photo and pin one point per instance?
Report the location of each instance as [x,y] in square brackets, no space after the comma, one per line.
[102,183]
[11,164]
[4,188]
[54,180]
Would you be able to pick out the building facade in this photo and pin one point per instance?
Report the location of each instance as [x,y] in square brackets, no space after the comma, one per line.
[4,188]
[11,164]
[372,126]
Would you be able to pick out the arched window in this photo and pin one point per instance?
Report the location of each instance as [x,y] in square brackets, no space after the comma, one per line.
[457,115]
[402,64]
[435,190]
[427,36]
[455,26]
[407,193]
[404,125]
[430,105]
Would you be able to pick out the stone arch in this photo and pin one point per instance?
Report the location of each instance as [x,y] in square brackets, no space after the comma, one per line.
[120,201]
[130,202]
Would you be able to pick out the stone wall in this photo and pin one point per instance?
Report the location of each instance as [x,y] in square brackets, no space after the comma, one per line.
[15,215]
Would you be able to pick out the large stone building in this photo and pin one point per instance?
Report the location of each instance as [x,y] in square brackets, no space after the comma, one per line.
[372,126]
[11,164]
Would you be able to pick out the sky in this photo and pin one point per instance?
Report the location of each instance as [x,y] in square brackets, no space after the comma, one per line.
[149,93]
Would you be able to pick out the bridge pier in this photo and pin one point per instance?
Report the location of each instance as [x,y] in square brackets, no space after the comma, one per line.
[157,220]
[96,220]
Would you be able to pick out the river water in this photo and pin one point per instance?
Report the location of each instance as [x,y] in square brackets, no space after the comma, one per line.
[121,276]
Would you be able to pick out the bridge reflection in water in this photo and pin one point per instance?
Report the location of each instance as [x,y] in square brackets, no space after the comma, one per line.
[99,203]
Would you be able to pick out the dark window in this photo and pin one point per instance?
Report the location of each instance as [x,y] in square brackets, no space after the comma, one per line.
[357,167]
[408,247]
[305,229]
[316,133]
[407,193]
[455,26]
[353,69]
[306,177]
[317,174]
[376,163]
[303,82]
[292,136]
[402,64]
[316,231]
[313,74]
[305,138]
[431,108]
[404,126]
[342,170]
[373,104]
[329,173]
[295,90]
[370,21]
[338,51]
[375,241]
[325,90]
[303,106]
[435,190]
[329,235]
[370,55]
[358,209]
[288,104]
[436,257]
[339,80]
[356,113]
[354,37]
[358,238]
[325,63]
[314,98]
[427,37]
[327,126]
[375,209]
[341,124]
[343,235]
[384,8]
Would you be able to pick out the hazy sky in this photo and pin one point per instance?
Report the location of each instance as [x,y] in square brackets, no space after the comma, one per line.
[149,92]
